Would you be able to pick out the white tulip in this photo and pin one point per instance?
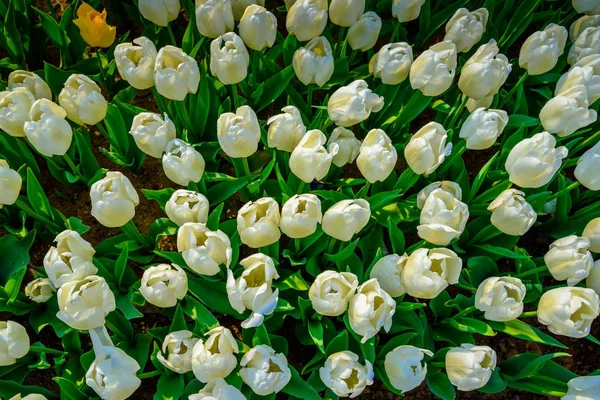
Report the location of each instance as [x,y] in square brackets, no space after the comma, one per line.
[500,298]
[540,52]
[348,146]
[583,388]
[10,184]
[592,232]
[175,73]
[286,129]
[258,27]
[433,71]
[388,272]
[482,128]
[370,309]
[214,17]
[14,110]
[363,34]
[214,357]
[470,367]
[82,99]
[428,272]
[71,259]
[377,157]
[346,218]
[584,72]
[587,43]
[218,389]
[238,133]
[569,259]
[589,7]
[160,12]
[187,206]
[443,218]
[176,351]
[427,149]
[182,163]
[136,63]
[314,62]
[533,162]
[300,215]
[306,19]
[84,304]
[310,159]
[568,311]
[585,21]
[587,168]
[30,81]
[407,10]
[202,249]
[346,12]
[265,371]
[452,188]
[404,367]
[485,103]
[229,59]
[32,396]
[344,375]
[152,133]
[352,104]
[252,290]
[258,222]
[14,342]
[466,28]
[239,6]
[162,285]
[113,200]
[567,112]
[39,290]
[331,292]
[485,72]
[47,130]
[392,63]
[511,213]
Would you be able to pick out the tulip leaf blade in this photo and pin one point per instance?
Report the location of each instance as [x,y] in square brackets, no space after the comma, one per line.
[523,330]
[440,385]
[37,197]
[299,388]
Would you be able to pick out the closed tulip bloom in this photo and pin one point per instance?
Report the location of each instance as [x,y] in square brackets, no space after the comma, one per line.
[258,27]
[443,218]
[587,168]
[568,311]
[587,43]
[14,342]
[30,81]
[310,159]
[466,28]
[569,259]
[427,149]
[10,184]
[352,104]
[405,367]
[82,99]
[363,34]
[407,10]
[218,389]
[392,63]
[239,6]
[344,375]
[533,162]
[470,367]
[113,200]
[589,7]
[160,12]
[511,213]
[39,290]
[568,112]
[152,133]
[136,63]
[346,218]
[93,27]
[433,71]
[175,73]
[14,110]
[214,357]
[239,133]
[485,103]
[306,19]
[71,259]
[84,304]
[593,279]
[187,206]
[500,298]
[428,272]
[485,72]
[162,285]
[47,130]
[314,62]
[300,215]
[585,72]
[452,188]
[583,388]
[377,157]
[331,292]
[31,396]
[214,17]
[286,129]
[258,222]
[182,163]
[347,146]
[540,52]
[265,371]
[585,21]
[346,12]
[370,309]
[388,272]
[482,128]
[592,232]
[176,351]
[202,249]
[229,59]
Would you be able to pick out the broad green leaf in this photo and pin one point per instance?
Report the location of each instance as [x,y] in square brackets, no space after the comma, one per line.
[522,330]
[15,255]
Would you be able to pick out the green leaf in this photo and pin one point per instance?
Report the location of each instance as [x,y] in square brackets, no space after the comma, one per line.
[440,385]
[55,77]
[121,264]
[195,310]
[496,384]
[215,217]
[15,255]
[297,387]
[501,251]
[534,366]
[522,330]
[56,34]
[294,281]
[272,88]
[37,196]
[222,191]
[342,254]
[396,237]
[160,196]
[117,131]
[13,286]
[170,386]
[479,179]
[69,389]
[11,36]
[315,329]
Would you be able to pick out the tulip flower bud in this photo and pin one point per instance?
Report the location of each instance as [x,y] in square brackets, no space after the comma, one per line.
[93,27]
[239,133]
[427,149]
[39,290]
[252,290]
[310,160]
[176,351]
[14,342]
[314,62]
[584,72]
[164,284]
[265,371]
[540,52]
[258,27]
[482,128]
[587,43]
[586,21]
[187,206]
[452,188]
[347,146]
[567,112]
[113,200]
[202,249]
[443,218]
[152,133]
[136,63]
[388,272]
[229,59]
[352,104]
[485,103]
[31,396]
[404,367]
[589,7]
[344,375]
[306,19]
[182,163]
[568,311]
[214,357]
[587,168]
[285,130]
[433,71]
[84,304]
[346,12]
[485,72]
[392,63]
[10,184]
[300,215]
[14,110]
[569,259]
[331,292]
[466,28]
[258,222]
[30,81]
[540,148]
[47,130]
[370,309]
[377,157]
[407,10]
[583,388]
[428,272]
[160,12]
[71,259]
[511,213]
[363,34]
[500,298]
[214,17]
[175,73]
[346,218]
[593,279]
[470,367]
[592,232]
[218,389]
[82,99]
[239,6]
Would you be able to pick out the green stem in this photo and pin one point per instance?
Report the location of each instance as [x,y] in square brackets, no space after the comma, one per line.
[297,246]
[331,247]
[585,143]
[133,232]
[532,272]
[310,96]
[513,89]
[183,114]
[246,166]
[74,168]
[202,186]
[29,211]
[466,311]
[193,186]
[528,314]
[150,374]
[366,188]
[566,190]
[235,96]
[171,36]
[40,349]
[457,112]
[485,233]
[301,187]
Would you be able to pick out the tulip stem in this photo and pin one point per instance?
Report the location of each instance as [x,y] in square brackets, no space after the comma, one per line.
[464,312]
[29,211]
[309,96]
[150,374]
[171,36]
[566,190]
[246,166]
[133,232]
[528,314]
[41,349]
[457,112]
[513,89]
[74,168]
[235,97]
[297,246]
[301,187]
[331,247]
[532,272]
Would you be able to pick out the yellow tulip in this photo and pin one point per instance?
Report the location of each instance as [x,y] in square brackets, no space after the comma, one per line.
[93,27]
